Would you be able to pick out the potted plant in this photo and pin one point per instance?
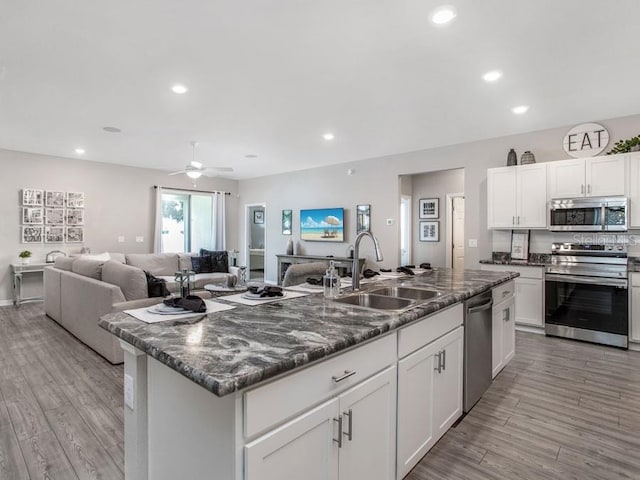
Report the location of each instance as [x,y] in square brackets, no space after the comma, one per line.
[25,255]
[626,146]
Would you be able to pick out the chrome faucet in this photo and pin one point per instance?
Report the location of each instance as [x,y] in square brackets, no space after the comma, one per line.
[355,270]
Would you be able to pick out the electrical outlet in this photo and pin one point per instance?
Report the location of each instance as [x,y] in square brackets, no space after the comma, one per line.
[139,239]
[121,239]
[473,243]
[129,396]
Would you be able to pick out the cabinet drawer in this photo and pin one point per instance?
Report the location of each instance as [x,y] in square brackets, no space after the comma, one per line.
[635,279]
[503,292]
[527,272]
[281,399]
[425,331]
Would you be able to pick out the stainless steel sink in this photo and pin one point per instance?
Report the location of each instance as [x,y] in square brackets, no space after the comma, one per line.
[419,294]
[377,302]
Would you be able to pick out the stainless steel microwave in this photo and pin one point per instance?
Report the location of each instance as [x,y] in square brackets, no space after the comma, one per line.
[593,214]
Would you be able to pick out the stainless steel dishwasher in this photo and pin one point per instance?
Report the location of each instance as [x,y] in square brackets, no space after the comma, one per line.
[477,347]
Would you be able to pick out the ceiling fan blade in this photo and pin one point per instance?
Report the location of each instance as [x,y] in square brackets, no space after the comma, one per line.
[177,173]
[219,169]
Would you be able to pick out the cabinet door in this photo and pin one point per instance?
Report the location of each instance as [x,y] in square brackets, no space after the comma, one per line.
[302,448]
[501,197]
[369,429]
[635,307]
[633,189]
[508,333]
[566,179]
[497,339]
[531,188]
[605,176]
[415,407]
[447,384]
[529,301]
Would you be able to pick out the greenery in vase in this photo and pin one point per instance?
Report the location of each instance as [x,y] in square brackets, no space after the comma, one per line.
[624,146]
[25,254]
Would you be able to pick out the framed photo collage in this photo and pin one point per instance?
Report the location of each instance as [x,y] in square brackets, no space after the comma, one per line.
[51,216]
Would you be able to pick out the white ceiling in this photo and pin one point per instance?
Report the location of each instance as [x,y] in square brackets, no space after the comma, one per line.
[270,77]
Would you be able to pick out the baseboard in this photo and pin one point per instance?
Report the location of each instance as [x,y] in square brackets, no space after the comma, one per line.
[634,346]
[6,303]
[530,329]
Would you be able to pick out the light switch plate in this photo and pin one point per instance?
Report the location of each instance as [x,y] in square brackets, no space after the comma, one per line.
[129,396]
[121,239]
[139,239]
[473,243]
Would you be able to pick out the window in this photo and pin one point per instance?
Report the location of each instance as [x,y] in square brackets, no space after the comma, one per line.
[188,222]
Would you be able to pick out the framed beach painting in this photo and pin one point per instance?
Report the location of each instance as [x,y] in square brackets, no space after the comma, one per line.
[322,225]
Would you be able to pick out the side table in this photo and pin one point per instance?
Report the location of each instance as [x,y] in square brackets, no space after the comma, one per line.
[18,272]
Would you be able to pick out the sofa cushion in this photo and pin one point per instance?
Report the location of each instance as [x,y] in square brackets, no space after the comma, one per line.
[88,267]
[64,263]
[202,279]
[118,257]
[154,263]
[97,256]
[131,280]
[184,260]
[219,260]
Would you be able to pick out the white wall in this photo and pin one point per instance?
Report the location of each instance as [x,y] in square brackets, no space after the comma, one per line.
[376,182]
[119,201]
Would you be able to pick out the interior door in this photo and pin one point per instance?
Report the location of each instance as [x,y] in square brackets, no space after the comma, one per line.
[457,234]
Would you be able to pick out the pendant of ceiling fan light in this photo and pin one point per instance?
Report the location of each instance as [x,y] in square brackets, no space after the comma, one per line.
[194,168]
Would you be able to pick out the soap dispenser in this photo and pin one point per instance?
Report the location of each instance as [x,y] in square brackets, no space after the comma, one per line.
[331,282]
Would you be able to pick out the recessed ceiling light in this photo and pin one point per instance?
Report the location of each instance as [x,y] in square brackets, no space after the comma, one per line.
[443,15]
[519,110]
[328,136]
[80,151]
[251,155]
[179,89]
[492,76]
[111,129]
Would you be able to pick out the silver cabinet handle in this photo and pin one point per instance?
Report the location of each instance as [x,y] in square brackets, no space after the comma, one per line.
[349,434]
[444,359]
[507,314]
[347,374]
[505,293]
[439,367]
[339,440]
[582,189]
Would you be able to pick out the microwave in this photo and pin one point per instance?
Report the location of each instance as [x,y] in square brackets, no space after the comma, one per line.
[593,214]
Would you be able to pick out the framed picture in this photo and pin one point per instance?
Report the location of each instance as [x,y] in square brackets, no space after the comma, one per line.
[54,216]
[32,216]
[74,216]
[322,224]
[258,216]
[53,234]
[75,200]
[363,218]
[54,199]
[32,197]
[75,234]
[520,245]
[429,208]
[430,231]
[31,234]
[287,219]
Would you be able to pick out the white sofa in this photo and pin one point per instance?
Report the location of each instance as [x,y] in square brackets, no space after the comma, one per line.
[78,291]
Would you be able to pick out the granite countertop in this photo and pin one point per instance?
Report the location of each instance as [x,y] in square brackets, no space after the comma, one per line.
[504,258]
[231,350]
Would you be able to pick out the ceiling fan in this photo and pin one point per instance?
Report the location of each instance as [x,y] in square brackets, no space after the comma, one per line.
[195,169]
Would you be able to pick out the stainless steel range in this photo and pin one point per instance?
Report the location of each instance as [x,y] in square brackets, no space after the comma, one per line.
[586,293]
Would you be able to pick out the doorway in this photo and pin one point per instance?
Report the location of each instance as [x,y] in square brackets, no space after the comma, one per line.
[455,232]
[255,241]
[405,229]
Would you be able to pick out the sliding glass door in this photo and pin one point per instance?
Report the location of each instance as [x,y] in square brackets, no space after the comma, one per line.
[187,222]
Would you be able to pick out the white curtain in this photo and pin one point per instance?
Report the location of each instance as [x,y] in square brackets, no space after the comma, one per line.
[219,221]
[157,239]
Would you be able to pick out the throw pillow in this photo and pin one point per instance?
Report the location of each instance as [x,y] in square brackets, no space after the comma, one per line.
[156,287]
[219,260]
[201,264]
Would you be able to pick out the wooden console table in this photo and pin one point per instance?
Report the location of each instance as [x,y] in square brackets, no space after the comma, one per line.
[343,264]
[18,270]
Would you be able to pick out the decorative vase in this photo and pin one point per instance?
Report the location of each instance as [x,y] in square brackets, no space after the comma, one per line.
[512,158]
[527,158]
[290,247]
[634,148]
[25,260]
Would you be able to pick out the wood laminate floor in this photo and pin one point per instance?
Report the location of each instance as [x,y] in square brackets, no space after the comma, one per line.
[560,410]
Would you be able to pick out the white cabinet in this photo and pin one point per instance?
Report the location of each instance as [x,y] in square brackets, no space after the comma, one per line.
[590,177]
[517,196]
[634,334]
[349,437]
[633,189]
[429,397]
[529,308]
[503,327]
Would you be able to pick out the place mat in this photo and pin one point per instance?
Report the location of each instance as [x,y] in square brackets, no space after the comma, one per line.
[252,303]
[305,287]
[146,316]
[392,274]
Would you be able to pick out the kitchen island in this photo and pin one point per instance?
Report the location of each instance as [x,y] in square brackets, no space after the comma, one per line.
[220,397]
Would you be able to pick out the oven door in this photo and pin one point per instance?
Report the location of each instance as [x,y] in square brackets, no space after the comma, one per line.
[594,309]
